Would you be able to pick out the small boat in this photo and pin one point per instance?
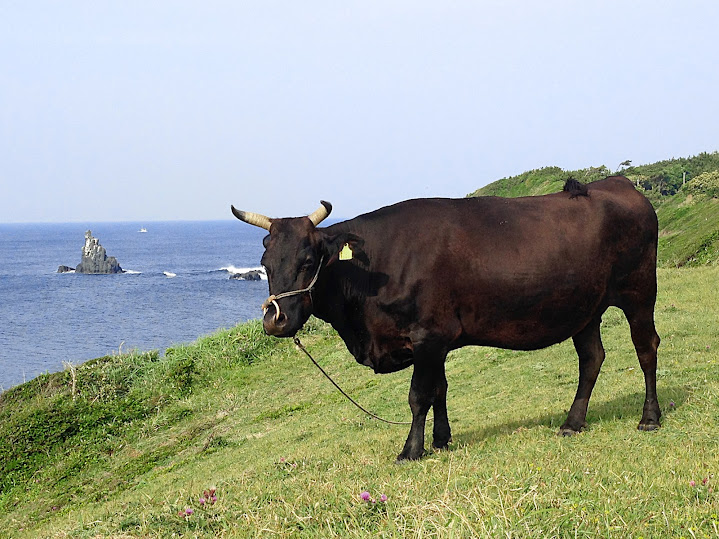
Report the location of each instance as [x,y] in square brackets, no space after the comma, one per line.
[143,229]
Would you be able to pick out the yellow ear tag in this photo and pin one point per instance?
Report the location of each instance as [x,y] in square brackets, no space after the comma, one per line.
[346,252]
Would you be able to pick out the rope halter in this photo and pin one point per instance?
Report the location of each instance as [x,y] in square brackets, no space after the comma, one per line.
[272,300]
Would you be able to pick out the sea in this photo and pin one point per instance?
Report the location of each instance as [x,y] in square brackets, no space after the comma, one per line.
[176,288]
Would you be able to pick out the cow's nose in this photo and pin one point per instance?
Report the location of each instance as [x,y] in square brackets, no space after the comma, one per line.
[274,325]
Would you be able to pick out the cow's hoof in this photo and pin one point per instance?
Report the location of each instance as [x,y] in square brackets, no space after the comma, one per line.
[650,418]
[568,430]
[442,445]
[410,455]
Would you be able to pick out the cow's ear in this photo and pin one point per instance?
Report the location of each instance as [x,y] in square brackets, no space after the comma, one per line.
[344,247]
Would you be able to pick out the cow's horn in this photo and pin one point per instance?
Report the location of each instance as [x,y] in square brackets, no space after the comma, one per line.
[321,213]
[250,218]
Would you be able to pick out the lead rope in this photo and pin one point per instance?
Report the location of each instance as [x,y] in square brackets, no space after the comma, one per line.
[301,347]
[272,300]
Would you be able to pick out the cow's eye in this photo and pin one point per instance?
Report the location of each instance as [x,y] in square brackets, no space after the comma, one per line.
[306,265]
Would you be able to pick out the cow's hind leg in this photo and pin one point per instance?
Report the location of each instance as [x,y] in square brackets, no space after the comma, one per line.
[646,342]
[428,388]
[441,434]
[590,350]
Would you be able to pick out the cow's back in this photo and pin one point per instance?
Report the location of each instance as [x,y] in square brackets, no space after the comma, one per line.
[519,273]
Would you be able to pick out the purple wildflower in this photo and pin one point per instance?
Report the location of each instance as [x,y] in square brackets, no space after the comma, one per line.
[365,496]
[383,498]
[692,483]
[202,501]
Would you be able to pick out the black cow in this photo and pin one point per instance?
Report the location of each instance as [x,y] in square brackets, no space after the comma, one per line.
[407,283]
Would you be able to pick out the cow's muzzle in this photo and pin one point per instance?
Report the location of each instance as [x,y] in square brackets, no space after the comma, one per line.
[274,320]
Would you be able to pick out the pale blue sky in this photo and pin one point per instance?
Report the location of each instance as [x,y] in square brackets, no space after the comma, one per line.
[157,110]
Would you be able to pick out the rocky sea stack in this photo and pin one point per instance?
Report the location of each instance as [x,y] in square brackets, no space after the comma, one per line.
[94,258]
[252,275]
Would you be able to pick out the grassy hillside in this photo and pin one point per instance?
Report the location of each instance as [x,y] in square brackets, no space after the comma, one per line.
[689,224]
[684,192]
[126,446]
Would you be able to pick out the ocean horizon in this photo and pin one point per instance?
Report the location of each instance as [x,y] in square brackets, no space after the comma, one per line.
[175,289]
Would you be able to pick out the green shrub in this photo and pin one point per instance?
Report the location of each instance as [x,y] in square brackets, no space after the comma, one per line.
[706,183]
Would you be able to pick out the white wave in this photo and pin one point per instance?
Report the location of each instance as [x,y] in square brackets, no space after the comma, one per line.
[132,272]
[235,270]
[169,274]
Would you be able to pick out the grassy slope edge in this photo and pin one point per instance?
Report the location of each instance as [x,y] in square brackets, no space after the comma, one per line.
[249,416]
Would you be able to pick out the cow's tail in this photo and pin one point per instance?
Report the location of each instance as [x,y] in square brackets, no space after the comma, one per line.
[575,188]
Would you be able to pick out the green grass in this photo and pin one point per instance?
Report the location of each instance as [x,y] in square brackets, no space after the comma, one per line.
[142,437]
[689,230]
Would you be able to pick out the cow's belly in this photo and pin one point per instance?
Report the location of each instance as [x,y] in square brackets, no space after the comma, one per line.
[521,335]
[529,324]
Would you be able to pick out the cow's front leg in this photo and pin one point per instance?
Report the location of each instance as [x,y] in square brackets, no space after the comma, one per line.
[428,387]
[590,350]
